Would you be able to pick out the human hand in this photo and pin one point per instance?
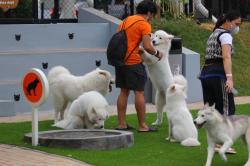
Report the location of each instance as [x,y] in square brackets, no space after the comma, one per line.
[159,55]
[229,84]
[141,50]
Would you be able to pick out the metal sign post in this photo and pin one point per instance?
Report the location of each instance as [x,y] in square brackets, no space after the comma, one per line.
[34,126]
[36,90]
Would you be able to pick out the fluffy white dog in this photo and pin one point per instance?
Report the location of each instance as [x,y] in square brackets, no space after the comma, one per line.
[180,120]
[88,111]
[66,87]
[159,71]
[223,130]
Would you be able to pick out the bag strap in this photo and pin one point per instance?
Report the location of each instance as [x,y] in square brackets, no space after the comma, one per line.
[133,24]
[218,37]
[137,43]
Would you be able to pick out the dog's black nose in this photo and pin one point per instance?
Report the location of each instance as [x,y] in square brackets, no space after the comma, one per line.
[153,42]
[195,122]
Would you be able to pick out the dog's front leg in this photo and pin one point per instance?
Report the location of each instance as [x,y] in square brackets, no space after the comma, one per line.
[227,144]
[210,150]
[169,131]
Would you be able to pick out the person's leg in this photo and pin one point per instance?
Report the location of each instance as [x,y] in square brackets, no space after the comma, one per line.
[140,107]
[218,93]
[121,108]
[208,97]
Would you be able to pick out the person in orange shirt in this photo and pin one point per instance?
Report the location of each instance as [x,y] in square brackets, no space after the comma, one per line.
[133,75]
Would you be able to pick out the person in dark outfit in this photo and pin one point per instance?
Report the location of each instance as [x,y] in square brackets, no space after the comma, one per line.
[217,75]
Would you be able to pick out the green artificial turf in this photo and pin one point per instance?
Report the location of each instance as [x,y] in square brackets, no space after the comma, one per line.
[149,149]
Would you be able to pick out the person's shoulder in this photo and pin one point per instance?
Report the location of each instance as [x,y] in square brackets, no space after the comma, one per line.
[226,36]
[135,18]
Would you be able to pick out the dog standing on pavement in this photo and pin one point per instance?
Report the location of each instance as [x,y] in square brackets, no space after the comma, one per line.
[223,130]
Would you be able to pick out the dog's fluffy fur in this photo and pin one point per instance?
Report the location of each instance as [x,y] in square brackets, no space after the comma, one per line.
[223,130]
[180,120]
[66,87]
[159,71]
[88,111]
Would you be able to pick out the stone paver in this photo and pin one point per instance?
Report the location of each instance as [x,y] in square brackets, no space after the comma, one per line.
[17,156]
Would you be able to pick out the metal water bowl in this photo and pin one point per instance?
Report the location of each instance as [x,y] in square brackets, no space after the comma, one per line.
[85,139]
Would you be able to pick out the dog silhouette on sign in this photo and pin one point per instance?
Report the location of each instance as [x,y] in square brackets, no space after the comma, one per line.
[32,87]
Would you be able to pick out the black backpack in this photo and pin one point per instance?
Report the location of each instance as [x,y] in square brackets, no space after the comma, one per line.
[117,47]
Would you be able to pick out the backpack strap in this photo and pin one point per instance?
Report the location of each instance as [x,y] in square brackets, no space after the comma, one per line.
[133,24]
[218,37]
[137,43]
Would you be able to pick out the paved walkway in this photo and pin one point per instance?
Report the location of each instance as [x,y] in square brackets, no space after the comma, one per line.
[48,115]
[18,156]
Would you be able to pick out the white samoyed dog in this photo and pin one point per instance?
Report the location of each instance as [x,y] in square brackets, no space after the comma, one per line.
[180,120]
[66,87]
[159,71]
[88,111]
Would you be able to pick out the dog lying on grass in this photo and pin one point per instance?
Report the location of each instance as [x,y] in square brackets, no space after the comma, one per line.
[88,111]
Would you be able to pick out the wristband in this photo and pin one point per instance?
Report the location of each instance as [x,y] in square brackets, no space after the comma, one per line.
[229,75]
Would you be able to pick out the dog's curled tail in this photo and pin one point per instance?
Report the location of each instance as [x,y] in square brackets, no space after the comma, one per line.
[180,79]
[56,71]
[190,142]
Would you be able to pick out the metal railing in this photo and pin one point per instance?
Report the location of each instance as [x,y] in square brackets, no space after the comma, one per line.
[61,11]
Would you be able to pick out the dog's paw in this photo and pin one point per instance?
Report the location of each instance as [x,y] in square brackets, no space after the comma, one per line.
[223,156]
[157,123]
[168,138]
[172,140]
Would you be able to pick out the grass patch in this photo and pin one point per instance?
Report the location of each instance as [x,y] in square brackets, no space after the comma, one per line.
[150,149]
[195,37]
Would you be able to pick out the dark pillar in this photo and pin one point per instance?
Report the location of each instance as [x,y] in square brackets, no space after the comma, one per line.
[35,9]
[132,6]
[56,10]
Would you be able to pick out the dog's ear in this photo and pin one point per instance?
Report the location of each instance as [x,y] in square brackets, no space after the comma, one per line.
[103,73]
[112,81]
[206,105]
[92,112]
[212,108]
[172,88]
[170,37]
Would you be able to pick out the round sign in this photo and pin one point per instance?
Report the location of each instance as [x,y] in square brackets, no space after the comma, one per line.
[35,87]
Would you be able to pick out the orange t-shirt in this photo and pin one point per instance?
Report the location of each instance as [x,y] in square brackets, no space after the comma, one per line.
[134,37]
